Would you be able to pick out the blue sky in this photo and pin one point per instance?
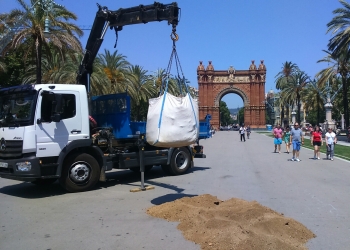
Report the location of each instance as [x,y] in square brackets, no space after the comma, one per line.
[226,32]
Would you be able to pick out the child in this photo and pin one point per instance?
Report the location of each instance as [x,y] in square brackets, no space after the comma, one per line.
[286,139]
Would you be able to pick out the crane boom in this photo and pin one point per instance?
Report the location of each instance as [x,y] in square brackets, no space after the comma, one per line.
[117,19]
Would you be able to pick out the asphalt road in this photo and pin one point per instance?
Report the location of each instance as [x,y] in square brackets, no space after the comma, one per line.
[314,192]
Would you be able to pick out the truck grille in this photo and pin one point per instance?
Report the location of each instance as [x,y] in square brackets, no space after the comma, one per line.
[13,150]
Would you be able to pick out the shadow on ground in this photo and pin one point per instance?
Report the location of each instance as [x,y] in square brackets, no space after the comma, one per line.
[169,197]
[121,177]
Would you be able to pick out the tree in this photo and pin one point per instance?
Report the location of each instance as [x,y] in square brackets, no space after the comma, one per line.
[312,101]
[14,68]
[340,27]
[292,91]
[241,115]
[2,67]
[282,80]
[339,65]
[62,32]
[225,118]
[140,88]
[115,67]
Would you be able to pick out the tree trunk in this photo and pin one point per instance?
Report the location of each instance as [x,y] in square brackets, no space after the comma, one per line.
[345,100]
[38,60]
[318,109]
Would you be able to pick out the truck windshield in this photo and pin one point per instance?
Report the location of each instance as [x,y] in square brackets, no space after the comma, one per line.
[17,109]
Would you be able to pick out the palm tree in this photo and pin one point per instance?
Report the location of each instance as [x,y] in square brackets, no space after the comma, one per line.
[141,89]
[282,80]
[340,26]
[115,67]
[100,84]
[51,66]
[2,67]
[312,100]
[62,32]
[339,65]
[292,91]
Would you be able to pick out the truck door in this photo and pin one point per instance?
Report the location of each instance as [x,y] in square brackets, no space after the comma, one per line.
[52,136]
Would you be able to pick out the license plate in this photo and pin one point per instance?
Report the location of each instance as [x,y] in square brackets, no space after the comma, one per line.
[3,165]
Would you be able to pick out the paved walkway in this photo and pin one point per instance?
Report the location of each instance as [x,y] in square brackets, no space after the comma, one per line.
[315,193]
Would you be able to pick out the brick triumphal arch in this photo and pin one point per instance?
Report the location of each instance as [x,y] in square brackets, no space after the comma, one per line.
[248,84]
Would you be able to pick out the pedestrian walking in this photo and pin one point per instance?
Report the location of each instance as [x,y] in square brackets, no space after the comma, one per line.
[330,139]
[278,133]
[296,139]
[242,130]
[286,138]
[316,141]
[248,131]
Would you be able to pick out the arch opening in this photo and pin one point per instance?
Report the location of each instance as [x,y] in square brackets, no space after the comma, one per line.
[231,110]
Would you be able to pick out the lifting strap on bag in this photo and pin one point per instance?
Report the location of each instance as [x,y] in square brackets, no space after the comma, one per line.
[180,80]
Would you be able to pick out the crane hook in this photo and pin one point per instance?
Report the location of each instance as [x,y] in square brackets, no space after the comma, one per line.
[174,36]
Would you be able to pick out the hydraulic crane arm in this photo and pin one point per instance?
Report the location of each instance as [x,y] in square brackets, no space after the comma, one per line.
[117,19]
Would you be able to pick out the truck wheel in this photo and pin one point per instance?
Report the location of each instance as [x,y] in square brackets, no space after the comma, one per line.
[80,173]
[44,182]
[180,161]
[137,169]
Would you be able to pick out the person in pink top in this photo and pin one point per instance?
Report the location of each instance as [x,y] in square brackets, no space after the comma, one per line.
[278,134]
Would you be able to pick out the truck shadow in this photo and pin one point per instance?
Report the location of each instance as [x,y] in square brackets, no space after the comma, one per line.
[30,191]
[123,177]
[128,177]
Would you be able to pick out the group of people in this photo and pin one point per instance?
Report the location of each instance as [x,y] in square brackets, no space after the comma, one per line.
[294,136]
[243,130]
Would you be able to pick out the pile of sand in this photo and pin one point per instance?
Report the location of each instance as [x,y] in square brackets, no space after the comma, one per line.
[232,224]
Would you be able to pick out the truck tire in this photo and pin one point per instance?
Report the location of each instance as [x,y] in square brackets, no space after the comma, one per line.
[44,182]
[180,162]
[80,173]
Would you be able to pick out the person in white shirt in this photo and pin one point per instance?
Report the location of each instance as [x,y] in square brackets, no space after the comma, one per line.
[242,130]
[331,139]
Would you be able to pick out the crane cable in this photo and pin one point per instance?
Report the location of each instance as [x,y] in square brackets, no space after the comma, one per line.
[181,80]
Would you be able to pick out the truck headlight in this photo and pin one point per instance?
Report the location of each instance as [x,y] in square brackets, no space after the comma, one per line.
[24,166]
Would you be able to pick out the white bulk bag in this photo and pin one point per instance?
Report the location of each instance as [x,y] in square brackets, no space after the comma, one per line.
[172,121]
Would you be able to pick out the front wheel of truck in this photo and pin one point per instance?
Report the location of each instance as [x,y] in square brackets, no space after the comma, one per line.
[180,162]
[80,173]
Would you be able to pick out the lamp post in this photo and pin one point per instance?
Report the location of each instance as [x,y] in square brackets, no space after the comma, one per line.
[47,6]
[325,94]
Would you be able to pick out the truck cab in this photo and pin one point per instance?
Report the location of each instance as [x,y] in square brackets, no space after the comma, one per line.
[33,131]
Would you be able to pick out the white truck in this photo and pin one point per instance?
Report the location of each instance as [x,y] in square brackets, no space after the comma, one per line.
[45,129]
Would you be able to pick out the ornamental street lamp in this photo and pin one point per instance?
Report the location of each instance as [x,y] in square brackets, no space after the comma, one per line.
[47,7]
[325,95]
